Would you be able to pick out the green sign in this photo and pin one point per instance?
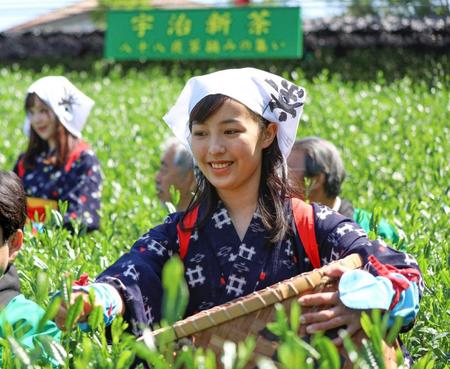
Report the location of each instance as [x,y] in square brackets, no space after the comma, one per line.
[219,33]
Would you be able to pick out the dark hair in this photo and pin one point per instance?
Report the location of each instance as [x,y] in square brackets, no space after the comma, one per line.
[273,186]
[321,156]
[65,141]
[13,204]
[182,156]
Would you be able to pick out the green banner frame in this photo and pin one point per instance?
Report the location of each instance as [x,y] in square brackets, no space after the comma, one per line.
[212,33]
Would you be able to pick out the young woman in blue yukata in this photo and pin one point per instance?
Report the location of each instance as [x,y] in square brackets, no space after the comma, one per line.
[58,164]
[240,125]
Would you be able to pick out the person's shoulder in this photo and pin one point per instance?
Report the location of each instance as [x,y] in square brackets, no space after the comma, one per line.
[322,214]
[169,222]
[326,218]
[18,166]
[174,217]
[23,311]
[84,150]
[164,233]
[21,301]
[82,157]
[24,317]
[346,208]
[20,157]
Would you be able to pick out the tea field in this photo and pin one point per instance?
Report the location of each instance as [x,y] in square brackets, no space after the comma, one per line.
[393,130]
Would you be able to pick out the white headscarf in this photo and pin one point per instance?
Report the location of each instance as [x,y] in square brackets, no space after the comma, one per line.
[266,94]
[70,105]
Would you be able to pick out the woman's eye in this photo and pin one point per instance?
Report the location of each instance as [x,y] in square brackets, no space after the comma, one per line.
[198,133]
[231,131]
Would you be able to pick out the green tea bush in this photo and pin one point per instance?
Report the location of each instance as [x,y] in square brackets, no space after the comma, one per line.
[392,129]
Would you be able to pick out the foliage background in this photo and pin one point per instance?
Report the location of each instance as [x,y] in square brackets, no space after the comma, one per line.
[386,110]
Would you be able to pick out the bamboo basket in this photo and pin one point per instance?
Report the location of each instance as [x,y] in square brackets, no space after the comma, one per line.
[249,315]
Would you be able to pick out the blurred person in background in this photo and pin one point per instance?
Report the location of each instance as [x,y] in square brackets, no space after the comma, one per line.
[317,170]
[177,170]
[58,164]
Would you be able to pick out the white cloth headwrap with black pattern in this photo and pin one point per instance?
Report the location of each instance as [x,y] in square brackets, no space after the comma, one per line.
[70,105]
[267,94]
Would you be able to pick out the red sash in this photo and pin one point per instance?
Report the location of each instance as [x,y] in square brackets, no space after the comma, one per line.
[36,205]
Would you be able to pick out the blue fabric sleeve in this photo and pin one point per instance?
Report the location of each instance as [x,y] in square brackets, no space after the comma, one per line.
[408,305]
[361,290]
[107,296]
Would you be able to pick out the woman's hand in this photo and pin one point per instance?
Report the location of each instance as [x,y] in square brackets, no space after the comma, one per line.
[61,316]
[333,313]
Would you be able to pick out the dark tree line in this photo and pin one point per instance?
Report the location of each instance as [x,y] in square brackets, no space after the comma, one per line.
[404,8]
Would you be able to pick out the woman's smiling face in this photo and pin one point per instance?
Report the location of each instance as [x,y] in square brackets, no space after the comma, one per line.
[43,120]
[228,147]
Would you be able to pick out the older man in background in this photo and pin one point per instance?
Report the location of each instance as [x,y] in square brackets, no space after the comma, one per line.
[316,170]
[177,170]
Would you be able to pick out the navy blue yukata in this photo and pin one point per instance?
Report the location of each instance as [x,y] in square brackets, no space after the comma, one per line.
[219,267]
[78,182]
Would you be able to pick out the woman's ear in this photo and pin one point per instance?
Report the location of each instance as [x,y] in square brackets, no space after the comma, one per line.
[269,134]
[15,243]
[320,179]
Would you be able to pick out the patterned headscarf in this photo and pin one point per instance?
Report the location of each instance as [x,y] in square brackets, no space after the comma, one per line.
[266,94]
[70,105]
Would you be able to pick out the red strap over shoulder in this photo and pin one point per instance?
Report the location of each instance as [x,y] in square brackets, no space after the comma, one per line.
[20,168]
[75,154]
[304,222]
[184,235]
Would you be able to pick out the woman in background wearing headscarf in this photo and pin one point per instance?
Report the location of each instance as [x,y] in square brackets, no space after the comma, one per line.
[58,164]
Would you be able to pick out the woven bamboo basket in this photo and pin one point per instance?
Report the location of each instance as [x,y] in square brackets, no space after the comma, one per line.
[249,315]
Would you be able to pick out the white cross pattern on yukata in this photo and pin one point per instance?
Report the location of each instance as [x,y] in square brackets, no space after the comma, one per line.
[148,310]
[324,212]
[344,229]
[148,314]
[131,272]
[157,247]
[246,252]
[231,288]
[221,218]
[195,276]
